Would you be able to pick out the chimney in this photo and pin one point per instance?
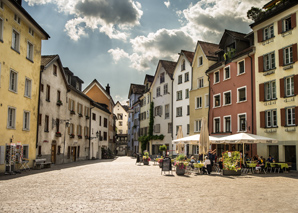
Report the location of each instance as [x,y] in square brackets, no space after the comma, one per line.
[108,89]
[19,2]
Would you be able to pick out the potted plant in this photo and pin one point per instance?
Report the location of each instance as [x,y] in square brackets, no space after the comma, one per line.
[159,160]
[163,149]
[231,163]
[58,134]
[180,164]
[71,135]
[59,103]
[87,117]
[146,158]
[86,137]
[80,115]
[72,112]
[80,136]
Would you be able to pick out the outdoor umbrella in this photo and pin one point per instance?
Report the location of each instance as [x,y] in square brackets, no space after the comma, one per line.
[179,146]
[204,138]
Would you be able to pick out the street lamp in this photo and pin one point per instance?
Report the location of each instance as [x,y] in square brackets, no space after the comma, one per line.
[97,136]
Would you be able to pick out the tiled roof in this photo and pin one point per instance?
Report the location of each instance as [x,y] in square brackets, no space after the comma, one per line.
[235,34]
[214,66]
[136,89]
[150,78]
[169,66]
[189,55]
[125,107]
[101,107]
[46,59]
[209,49]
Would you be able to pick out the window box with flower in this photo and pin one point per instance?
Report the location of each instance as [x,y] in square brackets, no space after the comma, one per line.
[59,103]
[86,137]
[87,117]
[71,135]
[58,134]
[72,112]
[80,136]
[80,115]
[146,158]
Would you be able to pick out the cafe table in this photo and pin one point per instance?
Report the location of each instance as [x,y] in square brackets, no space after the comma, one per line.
[283,165]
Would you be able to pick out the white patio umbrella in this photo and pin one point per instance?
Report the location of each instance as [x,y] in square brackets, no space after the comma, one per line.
[204,142]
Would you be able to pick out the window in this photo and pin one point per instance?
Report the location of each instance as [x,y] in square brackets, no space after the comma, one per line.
[86,131]
[186,77]
[120,116]
[271,118]
[227,74]
[13,82]
[197,126]
[227,98]
[105,136]
[39,119]
[290,86]
[290,113]
[29,51]
[186,93]
[216,100]
[41,87]
[39,150]
[270,90]
[216,125]
[120,123]
[288,55]
[157,91]
[17,18]
[46,123]
[48,93]
[54,70]
[26,151]
[198,102]
[1,28]
[183,65]
[227,124]
[1,4]
[241,68]
[165,90]
[80,110]
[162,77]
[71,129]
[169,127]
[180,79]
[28,88]
[200,82]
[57,124]
[242,122]
[11,118]
[187,129]
[58,95]
[158,111]
[94,116]
[15,44]
[216,77]
[99,120]
[86,111]
[31,32]
[269,61]
[206,100]
[200,61]
[157,128]
[26,120]
[268,32]
[167,111]
[179,95]
[241,94]
[79,130]
[177,129]
[187,110]
[105,122]
[287,24]
[179,112]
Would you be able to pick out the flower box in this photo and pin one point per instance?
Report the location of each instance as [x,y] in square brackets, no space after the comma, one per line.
[72,112]
[59,103]
[87,117]
[71,135]
[80,136]
[58,134]
[86,137]
[80,115]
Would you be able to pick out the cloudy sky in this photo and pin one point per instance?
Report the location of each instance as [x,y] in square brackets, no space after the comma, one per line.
[119,41]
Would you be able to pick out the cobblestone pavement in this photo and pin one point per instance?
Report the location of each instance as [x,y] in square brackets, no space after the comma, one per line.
[122,186]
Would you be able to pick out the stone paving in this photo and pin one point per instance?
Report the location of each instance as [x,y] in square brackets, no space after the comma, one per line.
[121,186]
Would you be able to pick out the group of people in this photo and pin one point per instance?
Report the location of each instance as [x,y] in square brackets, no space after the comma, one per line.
[208,163]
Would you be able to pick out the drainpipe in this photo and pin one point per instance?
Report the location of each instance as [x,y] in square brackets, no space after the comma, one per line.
[172,110]
[90,131]
[38,107]
[252,94]
[209,100]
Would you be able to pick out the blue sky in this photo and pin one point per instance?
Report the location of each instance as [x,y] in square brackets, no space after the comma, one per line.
[120,41]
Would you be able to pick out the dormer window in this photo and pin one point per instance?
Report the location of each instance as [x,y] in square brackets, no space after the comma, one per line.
[17,18]
[77,85]
[31,32]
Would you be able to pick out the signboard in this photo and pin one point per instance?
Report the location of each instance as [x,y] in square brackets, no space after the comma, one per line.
[139,158]
[166,164]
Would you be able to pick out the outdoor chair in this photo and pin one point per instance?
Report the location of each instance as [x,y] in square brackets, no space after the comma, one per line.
[278,168]
[263,169]
[269,168]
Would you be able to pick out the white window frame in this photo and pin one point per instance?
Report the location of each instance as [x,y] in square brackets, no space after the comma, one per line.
[271,91]
[180,79]
[186,77]
[200,82]
[26,122]
[158,92]
[224,123]
[292,86]
[219,100]
[26,155]
[238,67]
[269,29]
[214,78]
[17,18]
[288,60]
[197,125]
[214,125]
[177,94]
[207,101]
[162,78]
[28,93]
[284,24]
[15,89]
[271,118]
[30,50]
[238,122]
[179,112]
[13,126]
[167,112]
[199,61]
[31,31]
[292,116]
[17,41]
[186,93]
[165,89]
[201,102]
[224,98]
[269,61]
[238,94]
[224,72]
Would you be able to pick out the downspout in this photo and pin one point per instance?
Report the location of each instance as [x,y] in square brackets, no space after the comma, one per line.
[38,107]
[90,130]
[209,99]
[172,110]
[252,94]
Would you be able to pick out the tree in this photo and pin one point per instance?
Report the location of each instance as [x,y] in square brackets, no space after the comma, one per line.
[253,13]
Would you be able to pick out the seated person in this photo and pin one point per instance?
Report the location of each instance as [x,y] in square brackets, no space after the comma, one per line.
[270,159]
[259,164]
[207,166]
[192,161]
[220,163]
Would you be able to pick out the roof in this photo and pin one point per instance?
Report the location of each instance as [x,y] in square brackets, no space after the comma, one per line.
[209,49]
[234,35]
[214,66]
[169,66]
[101,107]
[125,107]
[136,89]
[150,78]
[79,92]
[67,70]
[46,59]
[29,17]
[188,54]
[271,3]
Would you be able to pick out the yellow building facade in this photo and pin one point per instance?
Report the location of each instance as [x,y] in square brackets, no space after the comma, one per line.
[199,95]
[277,81]
[20,60]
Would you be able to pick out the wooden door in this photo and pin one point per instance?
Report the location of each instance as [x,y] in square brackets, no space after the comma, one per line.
[53,154]
[74,154]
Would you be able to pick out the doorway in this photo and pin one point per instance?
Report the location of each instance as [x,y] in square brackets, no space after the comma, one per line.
[53,154]
[290,156]
[273,151]
[74,152]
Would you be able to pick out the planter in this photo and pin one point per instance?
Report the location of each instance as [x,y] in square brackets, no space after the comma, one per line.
[71,136]
[86,137]
[80,136]
[87,117]
[180,171]
[59,103]
[58,134]
[146,162]
[72,112]
[232,172]
[80,115]
[160,164]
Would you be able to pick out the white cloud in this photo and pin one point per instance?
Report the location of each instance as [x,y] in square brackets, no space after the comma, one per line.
[122,100]
[112,17]
[167,3]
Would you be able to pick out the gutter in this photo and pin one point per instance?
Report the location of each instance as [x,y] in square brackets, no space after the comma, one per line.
[209,99]
[252,94]
[172,110]
[38,107]
[90,131]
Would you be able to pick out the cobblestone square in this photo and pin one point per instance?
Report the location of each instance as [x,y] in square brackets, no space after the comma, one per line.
[121,186]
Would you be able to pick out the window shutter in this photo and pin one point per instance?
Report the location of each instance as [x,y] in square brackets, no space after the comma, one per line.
[283,117]
[160,110]
[78,127]
[262,119]
[78,107]
[74,106]
[261,92]
[279,26]
[293,20]
[296,115]
[260,35]
[281,57]
[296,85]
[261,64]
[294,52]
[282,87]
[69,104]
[68,130]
